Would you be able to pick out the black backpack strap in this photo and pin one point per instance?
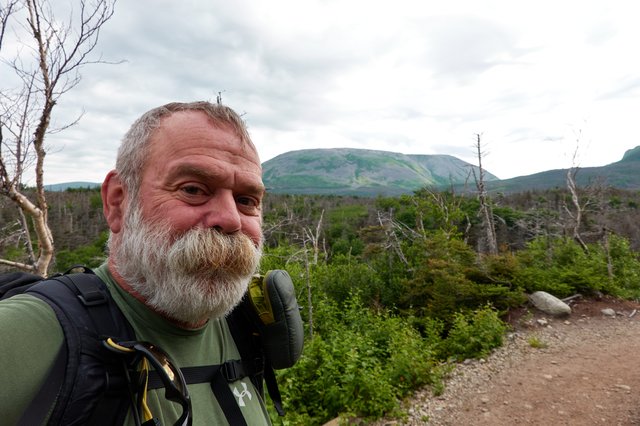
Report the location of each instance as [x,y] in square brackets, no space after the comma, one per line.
[272,387]
[227,401]
[16,283]
[248,344]
[231,371]
[86,313]
[247,339]
[218,376]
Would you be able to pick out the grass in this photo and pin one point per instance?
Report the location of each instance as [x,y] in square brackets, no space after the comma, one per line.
[537,343]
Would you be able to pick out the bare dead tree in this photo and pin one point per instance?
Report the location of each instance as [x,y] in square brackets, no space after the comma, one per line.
[576,216]
[46,67]
[314,238]
[6,10]
[307,270]
[447,208]
[486,212]
[391,230]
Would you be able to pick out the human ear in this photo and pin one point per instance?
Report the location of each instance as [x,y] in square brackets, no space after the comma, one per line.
[113,201]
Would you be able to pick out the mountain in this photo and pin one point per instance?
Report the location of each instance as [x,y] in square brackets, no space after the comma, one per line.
[624,174]
[346,171]
[71,185]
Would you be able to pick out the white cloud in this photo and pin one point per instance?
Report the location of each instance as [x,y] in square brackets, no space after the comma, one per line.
[420,77]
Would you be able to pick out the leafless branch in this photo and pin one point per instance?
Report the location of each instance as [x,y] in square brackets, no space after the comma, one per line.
[5,13]
[579,209]
[59,47]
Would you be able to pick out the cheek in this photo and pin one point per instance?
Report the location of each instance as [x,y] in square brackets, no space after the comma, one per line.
[252,227]
[178,219]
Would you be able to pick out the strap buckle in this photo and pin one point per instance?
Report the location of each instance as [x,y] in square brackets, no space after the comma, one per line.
[233,371]
[92,298]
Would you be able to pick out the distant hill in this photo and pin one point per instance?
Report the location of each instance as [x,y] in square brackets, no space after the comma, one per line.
[624,174]
[70,185]
[346,171]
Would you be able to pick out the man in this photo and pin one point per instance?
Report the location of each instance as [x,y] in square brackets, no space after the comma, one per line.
[184,209]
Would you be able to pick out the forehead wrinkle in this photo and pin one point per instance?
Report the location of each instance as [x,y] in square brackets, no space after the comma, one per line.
[246,144]
[196,171]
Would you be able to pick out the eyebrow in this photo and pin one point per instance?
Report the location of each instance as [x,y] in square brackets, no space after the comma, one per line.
[250,185]
[191,170]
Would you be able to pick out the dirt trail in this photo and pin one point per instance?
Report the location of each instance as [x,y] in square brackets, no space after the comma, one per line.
[588,374]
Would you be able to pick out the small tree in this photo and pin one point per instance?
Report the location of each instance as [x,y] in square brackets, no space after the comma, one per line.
[575,216]
[584,201]
[486,212]
[53,50]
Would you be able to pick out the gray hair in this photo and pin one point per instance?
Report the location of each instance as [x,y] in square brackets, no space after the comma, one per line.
[134,149]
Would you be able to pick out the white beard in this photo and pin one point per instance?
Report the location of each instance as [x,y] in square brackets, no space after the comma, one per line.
[192,277]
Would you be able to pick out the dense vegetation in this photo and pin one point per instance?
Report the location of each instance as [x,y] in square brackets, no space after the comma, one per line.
[394,289]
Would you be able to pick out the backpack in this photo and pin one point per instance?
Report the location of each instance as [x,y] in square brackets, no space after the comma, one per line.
[88,383]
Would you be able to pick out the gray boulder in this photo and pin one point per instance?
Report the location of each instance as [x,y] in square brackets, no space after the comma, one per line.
[549,304]
[608,312]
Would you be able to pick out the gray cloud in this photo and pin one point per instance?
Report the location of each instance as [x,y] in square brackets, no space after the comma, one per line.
[405,75]
[462,47]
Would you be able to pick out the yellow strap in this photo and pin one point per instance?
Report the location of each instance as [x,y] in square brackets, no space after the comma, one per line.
[113,344]
[144,369]
[145,407]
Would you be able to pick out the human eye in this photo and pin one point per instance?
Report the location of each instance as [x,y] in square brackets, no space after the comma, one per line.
[193,191]
[249,204]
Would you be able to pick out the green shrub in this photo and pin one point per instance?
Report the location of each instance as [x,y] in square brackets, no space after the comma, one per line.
[473,335]
[535,279]
[92,255]
[561,267]
[359,363]
[625,268]
[345,276]
[412,359]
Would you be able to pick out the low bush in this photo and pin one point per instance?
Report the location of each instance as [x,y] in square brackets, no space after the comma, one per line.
[359,364]
[473,335]
[92,255]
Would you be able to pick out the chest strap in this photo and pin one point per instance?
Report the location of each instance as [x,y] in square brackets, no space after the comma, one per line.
[219,376]
[230,370]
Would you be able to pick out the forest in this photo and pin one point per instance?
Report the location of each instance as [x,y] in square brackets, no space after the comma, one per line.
[395,290]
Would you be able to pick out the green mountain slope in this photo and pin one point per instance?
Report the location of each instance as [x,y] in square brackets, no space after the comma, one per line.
[71,185]
[624,174]
[345,171]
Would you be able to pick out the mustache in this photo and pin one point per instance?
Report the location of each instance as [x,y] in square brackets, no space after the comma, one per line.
[209,250]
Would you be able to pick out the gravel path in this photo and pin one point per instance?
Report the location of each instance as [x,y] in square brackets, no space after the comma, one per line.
[588,373]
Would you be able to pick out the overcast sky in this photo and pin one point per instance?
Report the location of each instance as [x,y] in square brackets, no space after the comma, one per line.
[536,79]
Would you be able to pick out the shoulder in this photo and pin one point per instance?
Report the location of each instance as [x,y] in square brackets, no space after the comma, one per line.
[27,312]
[28,322]
[31,338]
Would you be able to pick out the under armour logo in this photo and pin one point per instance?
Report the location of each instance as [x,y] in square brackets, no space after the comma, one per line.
[241,395]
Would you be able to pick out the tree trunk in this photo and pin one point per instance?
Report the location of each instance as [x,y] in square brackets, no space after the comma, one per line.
[486,212]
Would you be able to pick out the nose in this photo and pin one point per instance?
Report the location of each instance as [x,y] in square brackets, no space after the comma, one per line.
[222,213]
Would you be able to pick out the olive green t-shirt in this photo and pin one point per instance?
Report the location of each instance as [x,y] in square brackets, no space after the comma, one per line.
[30,338]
